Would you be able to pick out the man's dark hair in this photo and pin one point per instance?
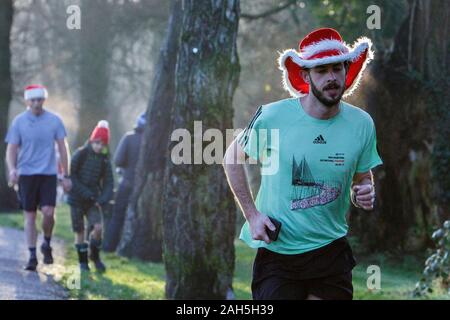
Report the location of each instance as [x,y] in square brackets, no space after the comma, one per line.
[346,67]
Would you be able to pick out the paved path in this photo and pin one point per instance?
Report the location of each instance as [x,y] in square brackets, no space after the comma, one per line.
[18,284]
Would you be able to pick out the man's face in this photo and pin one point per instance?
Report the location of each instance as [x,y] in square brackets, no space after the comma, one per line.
[327,83]
[36,105]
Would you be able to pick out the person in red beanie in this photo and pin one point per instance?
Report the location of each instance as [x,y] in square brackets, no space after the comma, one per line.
[92,189]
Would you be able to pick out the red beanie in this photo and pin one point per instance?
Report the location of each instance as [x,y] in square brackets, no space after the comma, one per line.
[101,132]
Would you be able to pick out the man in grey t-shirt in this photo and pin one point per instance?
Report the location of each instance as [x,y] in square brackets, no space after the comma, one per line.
[32,165]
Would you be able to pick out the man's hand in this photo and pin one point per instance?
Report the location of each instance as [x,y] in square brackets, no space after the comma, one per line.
[66,184]
[13,177]
[364,195]
[258,224]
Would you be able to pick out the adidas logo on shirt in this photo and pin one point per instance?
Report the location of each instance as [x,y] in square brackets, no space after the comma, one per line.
[320,140]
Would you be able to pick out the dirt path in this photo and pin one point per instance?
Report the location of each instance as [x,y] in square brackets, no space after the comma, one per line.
[18,284]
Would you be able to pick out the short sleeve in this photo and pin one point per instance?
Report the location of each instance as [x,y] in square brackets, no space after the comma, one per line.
[253,139]
[13,135]
[60,130]
[369,157]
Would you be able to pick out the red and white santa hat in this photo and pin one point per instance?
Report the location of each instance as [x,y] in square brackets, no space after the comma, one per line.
[101,132]
[324,46]
[35,91]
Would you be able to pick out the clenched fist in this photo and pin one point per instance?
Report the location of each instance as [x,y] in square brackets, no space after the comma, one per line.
[364,196]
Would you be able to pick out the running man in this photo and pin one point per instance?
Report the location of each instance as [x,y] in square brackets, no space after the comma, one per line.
[316,153]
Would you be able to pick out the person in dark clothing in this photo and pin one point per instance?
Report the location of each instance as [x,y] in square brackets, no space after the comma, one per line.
[125,158]
[92,179]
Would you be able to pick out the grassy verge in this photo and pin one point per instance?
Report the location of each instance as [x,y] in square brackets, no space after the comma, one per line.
[133,279]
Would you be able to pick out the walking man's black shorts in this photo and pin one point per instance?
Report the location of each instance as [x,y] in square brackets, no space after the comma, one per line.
[37,191]
[325,273]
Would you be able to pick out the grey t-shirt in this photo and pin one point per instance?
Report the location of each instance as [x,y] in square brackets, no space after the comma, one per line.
[36,136]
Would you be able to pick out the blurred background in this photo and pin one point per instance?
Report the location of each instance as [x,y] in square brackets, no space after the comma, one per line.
[110,68]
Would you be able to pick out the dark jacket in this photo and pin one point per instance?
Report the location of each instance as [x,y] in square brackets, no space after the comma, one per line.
[127,154]
[92,178]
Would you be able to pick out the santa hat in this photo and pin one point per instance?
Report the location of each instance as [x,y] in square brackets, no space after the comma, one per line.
[324,46]
[101,132]
[35,91]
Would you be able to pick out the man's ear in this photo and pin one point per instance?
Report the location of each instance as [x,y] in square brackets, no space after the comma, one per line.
[305,75]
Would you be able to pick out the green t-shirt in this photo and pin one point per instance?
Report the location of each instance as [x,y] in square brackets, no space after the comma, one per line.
[307,166]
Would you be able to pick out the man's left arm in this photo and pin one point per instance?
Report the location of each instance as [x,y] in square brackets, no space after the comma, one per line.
[64,159]
[363,190]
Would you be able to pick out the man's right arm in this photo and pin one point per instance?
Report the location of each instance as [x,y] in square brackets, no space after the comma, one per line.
[11,161]
[233,164]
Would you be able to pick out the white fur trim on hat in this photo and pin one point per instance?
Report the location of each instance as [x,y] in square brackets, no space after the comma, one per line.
[35,93]
[103,124]
[353,53]
[285,80]
[323,45]
[370,56]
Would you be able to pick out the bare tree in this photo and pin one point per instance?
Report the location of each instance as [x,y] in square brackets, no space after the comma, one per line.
[8,200]
[199,211]
[142,235]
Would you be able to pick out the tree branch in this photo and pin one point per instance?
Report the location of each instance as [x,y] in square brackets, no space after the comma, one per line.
[269,12]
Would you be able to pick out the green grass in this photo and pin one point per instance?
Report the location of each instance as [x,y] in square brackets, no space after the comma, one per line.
[124,279]
[134,279]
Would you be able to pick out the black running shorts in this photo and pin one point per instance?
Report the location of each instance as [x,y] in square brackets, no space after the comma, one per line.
[37,191]
[325,273]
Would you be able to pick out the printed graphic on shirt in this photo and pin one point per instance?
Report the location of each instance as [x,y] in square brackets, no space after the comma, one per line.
[308,191]
[319,140]
[337,158]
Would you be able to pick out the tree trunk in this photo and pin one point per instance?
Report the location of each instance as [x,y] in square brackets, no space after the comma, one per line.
[199,212]
[411,87]
[7,195]
[142,236]
[95,39]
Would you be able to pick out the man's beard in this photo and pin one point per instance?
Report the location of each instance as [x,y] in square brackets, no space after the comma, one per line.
[321,97]
[37,109]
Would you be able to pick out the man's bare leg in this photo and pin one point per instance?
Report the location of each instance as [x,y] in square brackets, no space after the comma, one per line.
[31,238]
[30,228]
[48,222]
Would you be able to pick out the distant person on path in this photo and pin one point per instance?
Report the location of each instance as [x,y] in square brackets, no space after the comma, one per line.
[32,165]
[93,184]
[125,158]
[316,153]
